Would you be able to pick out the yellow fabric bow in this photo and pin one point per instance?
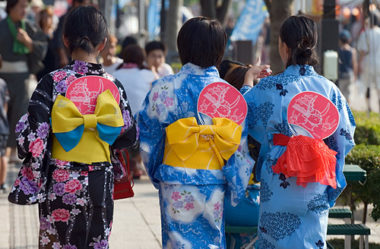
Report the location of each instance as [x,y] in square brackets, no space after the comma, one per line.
[196,146]
[85,138]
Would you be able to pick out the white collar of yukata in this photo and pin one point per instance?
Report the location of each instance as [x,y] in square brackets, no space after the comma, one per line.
[190,68]
[300,70]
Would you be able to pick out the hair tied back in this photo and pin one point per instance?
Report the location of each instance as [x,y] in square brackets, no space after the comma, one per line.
[308,52]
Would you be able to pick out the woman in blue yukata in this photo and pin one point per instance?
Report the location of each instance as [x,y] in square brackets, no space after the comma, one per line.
[65,140]
[292,215]
[192,177]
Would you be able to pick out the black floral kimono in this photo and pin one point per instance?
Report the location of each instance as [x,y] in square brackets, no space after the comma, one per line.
[75,199]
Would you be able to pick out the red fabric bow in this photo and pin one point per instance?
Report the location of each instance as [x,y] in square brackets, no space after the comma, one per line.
[308,159]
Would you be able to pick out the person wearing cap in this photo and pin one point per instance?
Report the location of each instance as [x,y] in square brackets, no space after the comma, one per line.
[347,63]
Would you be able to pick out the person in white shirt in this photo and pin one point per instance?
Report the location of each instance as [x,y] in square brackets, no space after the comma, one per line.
[369,56]
[110,60]
[135,77]
[155,58]
[137,82]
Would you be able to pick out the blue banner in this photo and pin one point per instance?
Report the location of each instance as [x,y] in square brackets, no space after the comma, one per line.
[250,21]
[154,19]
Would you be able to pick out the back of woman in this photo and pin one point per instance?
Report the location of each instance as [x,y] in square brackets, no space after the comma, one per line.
[191,180]
[78,117]
[294,215]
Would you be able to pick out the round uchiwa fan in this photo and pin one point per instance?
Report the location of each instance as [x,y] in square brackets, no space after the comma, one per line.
[221,100]
[312,114]
[83,92]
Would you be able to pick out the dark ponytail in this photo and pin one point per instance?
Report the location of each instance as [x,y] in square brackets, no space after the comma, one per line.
[85,28]
[300,35]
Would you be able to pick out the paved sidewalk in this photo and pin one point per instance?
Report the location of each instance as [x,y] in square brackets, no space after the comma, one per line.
[136,222]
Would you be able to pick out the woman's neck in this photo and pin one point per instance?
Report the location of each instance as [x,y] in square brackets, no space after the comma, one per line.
[81,55]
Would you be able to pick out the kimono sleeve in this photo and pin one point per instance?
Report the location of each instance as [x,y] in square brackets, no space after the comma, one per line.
[33,143]
[342,141]
[238,169]
[152,137]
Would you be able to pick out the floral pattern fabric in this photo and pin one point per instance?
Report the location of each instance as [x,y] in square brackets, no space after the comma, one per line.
[191,199]
[287,210]
[75,199]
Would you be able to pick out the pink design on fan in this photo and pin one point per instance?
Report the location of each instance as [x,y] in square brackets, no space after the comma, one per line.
[222,100]
[83,92]
[314,113]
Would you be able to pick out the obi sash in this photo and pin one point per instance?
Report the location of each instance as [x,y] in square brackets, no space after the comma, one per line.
[85,138]
[190,145]
[307,159]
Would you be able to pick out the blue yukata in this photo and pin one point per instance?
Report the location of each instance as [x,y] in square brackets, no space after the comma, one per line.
[293,216]
[191,199]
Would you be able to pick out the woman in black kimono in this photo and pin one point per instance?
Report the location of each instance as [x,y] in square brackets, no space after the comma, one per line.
[75,197]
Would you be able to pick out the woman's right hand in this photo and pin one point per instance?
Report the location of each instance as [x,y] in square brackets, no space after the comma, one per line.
[256,72]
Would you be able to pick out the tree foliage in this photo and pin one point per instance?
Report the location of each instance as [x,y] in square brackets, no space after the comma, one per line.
[367,155]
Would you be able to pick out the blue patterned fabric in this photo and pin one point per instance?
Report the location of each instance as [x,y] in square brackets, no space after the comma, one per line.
[292,216]
[171,98]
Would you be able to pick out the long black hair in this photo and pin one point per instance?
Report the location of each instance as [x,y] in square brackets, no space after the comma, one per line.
[85,28]
[300,35]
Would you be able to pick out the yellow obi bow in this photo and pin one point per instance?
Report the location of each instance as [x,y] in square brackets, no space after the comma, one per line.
[190,145]
[85,138]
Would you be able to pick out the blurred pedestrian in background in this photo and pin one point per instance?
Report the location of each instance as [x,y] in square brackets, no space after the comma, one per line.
[348,67]
[128,40]
[135,77]
[137,81]
[110,61]
[33,13]
[369,56]
[4,132]
[22,47]
[155,58]
[47,27]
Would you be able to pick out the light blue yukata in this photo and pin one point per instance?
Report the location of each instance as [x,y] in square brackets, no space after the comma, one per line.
[292,216]
[191,200]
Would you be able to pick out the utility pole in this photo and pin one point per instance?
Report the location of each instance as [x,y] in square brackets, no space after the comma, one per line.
[330,28]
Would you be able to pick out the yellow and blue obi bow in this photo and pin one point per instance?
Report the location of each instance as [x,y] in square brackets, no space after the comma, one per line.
[190,145]
[84,136]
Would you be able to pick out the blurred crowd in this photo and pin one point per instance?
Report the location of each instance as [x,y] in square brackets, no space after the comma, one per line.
[31,46]
[359,51]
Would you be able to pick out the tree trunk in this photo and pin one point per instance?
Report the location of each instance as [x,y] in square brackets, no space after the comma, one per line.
[208,8]
[221,11]
[211,9]
[365,211]
[278,12]
[173,23]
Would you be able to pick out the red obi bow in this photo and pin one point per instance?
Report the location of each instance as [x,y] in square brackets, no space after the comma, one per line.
[308,159]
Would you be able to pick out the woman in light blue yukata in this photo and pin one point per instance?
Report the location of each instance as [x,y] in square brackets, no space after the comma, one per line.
[191,185]
[292,215]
